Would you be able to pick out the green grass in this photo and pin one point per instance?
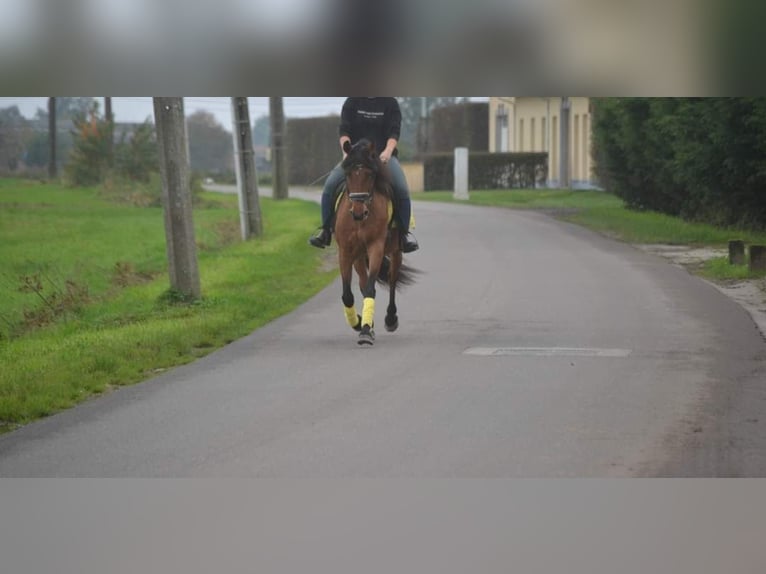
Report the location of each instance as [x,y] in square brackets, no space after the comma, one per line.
[126,330]
[720,270]
[606,214]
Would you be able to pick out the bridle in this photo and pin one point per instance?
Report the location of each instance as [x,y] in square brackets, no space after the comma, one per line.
[363,197]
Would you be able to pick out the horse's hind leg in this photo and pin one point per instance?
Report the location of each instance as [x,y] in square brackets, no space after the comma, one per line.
[352,317]
[392,320]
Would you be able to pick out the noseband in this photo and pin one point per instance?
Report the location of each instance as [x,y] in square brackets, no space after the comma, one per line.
[363,197]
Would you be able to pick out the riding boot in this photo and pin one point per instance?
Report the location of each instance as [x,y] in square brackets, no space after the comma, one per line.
[408,241]
[324,237]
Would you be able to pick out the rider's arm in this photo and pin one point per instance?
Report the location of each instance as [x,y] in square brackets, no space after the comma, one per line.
[394,117]
[346,118]
[389,151]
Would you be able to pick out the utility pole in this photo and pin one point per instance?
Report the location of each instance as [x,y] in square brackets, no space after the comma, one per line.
[564,175]
[278,159]
[424,123]
[247,181]
[110,123]
[176,196]
[52,171]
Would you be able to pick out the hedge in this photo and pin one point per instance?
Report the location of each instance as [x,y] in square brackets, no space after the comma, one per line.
[312,148]
[488,170]
[703,159]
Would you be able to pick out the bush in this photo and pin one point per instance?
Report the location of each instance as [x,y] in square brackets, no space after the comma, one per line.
[90,158]
[488,171]
[136,156]
[701,158]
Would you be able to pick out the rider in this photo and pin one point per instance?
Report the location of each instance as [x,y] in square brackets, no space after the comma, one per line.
[378,120]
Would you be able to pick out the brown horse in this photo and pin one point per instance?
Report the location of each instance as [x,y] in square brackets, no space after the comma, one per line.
[366,240]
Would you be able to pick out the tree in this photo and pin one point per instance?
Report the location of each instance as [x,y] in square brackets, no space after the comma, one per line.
[89,159]
[262,131]
[15,134]
[136,155]
[74,108]
[413,137]
[700,158]
[67,110]
[211,148]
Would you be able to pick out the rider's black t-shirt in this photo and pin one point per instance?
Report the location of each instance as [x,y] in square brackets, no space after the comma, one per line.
[376,119]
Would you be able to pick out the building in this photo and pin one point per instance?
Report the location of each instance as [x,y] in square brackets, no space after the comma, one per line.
[532,124]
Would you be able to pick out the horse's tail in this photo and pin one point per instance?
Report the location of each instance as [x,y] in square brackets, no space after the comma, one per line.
[407,274]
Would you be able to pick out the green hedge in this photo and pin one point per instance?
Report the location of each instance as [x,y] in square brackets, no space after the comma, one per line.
[312,148]
[488,170]
[703,159]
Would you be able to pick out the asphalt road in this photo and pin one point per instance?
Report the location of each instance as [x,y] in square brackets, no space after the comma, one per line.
[528,348]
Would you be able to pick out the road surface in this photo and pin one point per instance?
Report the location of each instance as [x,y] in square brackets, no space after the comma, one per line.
[528,348]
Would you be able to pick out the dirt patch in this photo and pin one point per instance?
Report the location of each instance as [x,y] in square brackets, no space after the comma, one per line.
[124,274]
[685,255]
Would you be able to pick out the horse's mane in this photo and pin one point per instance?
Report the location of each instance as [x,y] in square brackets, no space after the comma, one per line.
[363,153]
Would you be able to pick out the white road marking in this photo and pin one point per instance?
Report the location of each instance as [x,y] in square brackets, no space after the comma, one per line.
[545,352]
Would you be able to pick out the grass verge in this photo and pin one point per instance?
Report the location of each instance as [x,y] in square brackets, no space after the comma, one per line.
[126,328]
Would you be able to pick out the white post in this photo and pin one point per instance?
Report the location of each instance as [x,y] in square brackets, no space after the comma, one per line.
[461,173]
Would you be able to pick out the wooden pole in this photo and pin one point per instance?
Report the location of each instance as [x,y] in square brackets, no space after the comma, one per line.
[736,252]
[110,123]
[758,258]
[52,169]
[247,180]
[278,158]
[176,196]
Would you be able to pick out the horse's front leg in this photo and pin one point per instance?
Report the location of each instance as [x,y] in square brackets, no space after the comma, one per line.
[352,317]
[375,257]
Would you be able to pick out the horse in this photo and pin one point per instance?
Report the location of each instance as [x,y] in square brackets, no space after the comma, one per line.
[366,241]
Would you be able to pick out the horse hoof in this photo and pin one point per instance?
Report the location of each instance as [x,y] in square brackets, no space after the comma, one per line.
[366,337]
[358,327]
[393,325]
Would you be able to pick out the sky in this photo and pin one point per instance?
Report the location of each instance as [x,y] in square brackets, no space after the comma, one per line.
[137,109]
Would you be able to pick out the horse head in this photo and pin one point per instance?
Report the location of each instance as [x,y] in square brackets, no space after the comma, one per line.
[362,167]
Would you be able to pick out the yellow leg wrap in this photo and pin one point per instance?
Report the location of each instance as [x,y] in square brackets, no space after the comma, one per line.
[351,317]
[368,314]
